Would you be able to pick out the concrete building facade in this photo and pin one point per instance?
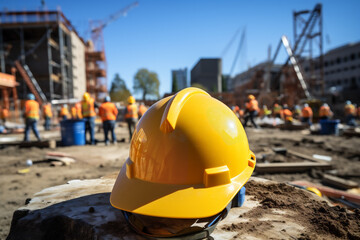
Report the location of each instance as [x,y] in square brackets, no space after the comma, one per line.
[180,76]
[341,67]
[78,66]
[208,72]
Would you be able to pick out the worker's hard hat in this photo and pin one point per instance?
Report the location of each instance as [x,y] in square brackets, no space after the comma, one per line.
[251,97]
[86,96]
[314,190]
[348,102]
[131,100]
[31,96]
[306,105]
[65,105]
[107,99]
[189,157]
[325,105]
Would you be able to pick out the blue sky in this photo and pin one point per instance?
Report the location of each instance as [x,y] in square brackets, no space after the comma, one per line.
[162,35]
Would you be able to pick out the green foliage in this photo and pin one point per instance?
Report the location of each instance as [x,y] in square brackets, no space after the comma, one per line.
[146,82]
[118,90]
[175,87]
[198,85]
[224,82]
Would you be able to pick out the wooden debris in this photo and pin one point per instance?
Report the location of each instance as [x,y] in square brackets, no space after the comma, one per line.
[39,144]
[339,182]
[290,167]
[63,158]
[330,192]
[304,156]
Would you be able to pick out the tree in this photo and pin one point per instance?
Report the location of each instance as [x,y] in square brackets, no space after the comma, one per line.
[198,85]
[146,82]
[174,84]
[118,90]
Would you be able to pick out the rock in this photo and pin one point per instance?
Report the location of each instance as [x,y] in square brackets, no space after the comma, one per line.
[81,210]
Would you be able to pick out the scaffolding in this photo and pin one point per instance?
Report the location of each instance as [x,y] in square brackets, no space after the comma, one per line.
[40,43]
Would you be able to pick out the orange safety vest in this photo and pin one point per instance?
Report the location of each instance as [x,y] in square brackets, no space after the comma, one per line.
[32,109]
[307,112]
[350,109]
[47,111]
[4,113]
[64,112]
[78,110]
[142,110]
[87,108]
[324,111]
[287,114]
[131,111]
[108,111]
[73,113]
[252,105]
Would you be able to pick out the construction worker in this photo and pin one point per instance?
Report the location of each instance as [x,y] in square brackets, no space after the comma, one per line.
[287,114]
[325,112]
[142,110]
[4,114]
[297,112]
[306,114]
[78,111]
[31,114]
[64,112]
[182,178]
[277,109]
[108,113]
[265,112]
[350,113]
[89,114]
[131,115]
[251,111]
[47,114]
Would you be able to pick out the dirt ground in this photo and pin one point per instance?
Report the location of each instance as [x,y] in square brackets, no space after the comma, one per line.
[100,160]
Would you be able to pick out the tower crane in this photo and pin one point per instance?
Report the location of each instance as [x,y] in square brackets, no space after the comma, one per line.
[97,26]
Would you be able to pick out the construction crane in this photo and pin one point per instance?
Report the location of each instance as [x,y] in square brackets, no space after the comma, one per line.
[97,26]
[300,41]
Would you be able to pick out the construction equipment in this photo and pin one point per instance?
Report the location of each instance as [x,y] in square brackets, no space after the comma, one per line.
[294,53]
[31,82]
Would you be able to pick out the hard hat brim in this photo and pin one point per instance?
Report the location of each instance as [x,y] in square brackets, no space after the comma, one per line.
[174,201]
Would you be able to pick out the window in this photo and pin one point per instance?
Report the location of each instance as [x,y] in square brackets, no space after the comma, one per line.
[352,56]
[338,60]
[345,59]
[331,63]
[353,67]
[339,70]
[345,69]
[326,63]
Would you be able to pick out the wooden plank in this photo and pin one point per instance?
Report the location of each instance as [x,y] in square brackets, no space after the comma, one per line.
[290,167]
[330,192]
[40,144]
[339,182]
[304,156]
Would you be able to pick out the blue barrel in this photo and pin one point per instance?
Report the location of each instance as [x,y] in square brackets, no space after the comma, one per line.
[329,127]
[73,132]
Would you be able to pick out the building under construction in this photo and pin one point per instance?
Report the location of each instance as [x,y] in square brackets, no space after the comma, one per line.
[51,59]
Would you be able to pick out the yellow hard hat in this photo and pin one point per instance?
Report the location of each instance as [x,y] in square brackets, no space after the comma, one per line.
[314,190]
[86,96]
[188,158]
[251,97]
[131,100]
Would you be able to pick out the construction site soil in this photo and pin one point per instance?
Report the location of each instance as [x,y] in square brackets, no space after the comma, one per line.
[322,219]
